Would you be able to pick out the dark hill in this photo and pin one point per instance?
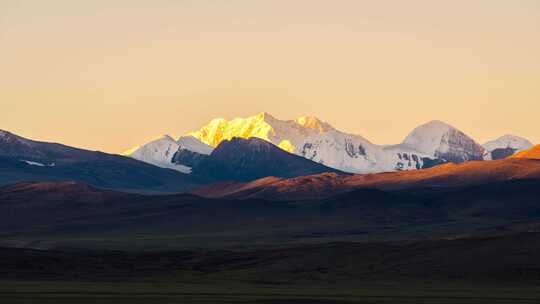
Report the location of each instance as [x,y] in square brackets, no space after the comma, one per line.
[241,159]
[71,213]
[324,185]
[22,159]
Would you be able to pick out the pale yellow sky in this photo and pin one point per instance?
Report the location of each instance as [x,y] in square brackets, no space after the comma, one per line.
[111,74]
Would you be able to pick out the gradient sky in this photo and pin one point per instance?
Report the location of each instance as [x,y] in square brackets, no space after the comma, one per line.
[111,74]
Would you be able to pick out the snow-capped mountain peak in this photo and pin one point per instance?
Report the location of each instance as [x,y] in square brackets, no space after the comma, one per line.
[355,154]
[158,152]
[508,141]
[161,152]
[336,149]
[443,141]
[221,129]
[427,137]
[505,146]
[194,145]
[286,134]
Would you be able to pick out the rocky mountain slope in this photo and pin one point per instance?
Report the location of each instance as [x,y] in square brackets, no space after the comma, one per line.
[248,159]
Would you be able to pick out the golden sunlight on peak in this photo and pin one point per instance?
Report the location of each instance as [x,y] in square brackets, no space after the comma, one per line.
[130,151]
[286,134]
[264,116]
[219,130]
[217,121]
[287,146]
[313,123]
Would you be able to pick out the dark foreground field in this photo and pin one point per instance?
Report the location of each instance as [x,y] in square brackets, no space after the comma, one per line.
[72,243]
[501,269]
[154,292]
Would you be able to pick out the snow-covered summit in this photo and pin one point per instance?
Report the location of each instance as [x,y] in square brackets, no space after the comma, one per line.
[287,134]
[356,154]
[443,141]
[336,149]
[158,152]
[505,146]
[508,141]
[220,129]
[428,137]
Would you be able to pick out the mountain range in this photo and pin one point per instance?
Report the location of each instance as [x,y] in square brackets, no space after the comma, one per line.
[430,144]
[249,149]
[250,206]
[237,159]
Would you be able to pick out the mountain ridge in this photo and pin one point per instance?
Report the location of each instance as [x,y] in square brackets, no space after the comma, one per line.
[23,159]
[443,176]
[427,145]
[252,158]
[532,153]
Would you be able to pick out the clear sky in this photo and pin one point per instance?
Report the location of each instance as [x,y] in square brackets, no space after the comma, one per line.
[111,74]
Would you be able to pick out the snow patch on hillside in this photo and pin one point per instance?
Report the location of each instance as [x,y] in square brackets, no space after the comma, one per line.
[33,163]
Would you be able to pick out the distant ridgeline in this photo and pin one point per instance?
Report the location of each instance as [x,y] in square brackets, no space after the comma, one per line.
[427,145]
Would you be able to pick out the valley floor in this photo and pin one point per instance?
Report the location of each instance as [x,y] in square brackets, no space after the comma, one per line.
[59,292]
[497,269]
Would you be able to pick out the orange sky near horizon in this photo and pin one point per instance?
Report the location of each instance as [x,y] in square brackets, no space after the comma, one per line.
[108,75]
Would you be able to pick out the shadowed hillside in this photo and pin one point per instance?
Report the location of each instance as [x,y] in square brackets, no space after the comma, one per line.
[442,176]
[23,159]
[49,215]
